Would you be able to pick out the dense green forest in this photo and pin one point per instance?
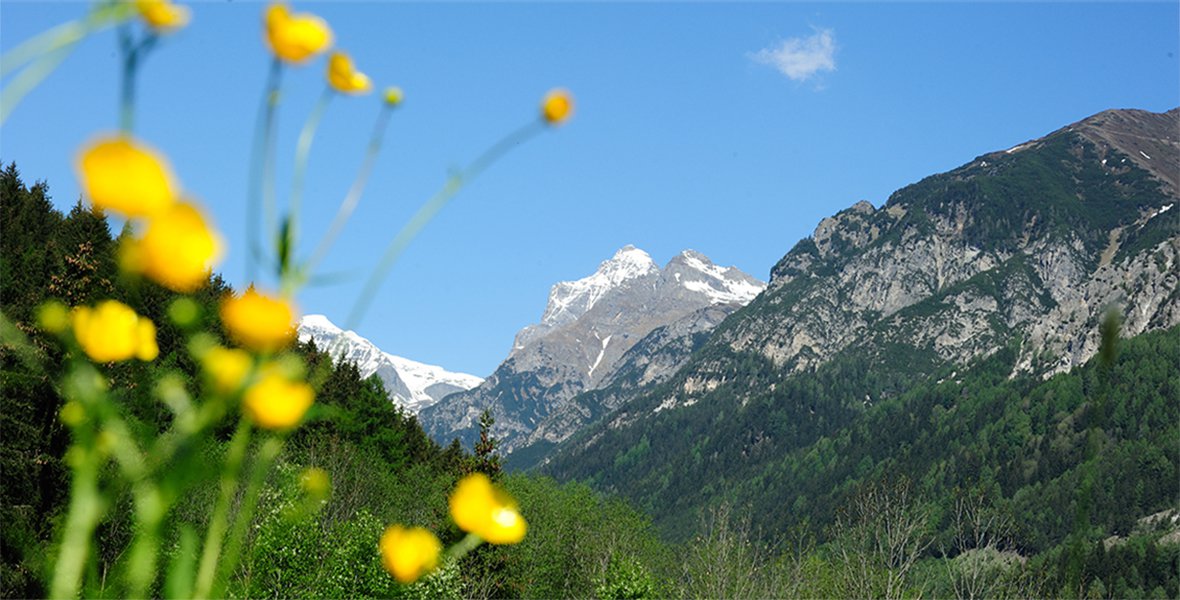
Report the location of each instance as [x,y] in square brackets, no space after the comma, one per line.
[1079,460]
[972,484]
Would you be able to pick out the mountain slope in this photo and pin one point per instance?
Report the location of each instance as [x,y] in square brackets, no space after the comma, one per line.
[587,328]
[1010,261]
[411,385]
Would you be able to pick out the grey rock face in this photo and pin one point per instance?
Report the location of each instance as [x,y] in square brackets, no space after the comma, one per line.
[1033,245]
[587,328]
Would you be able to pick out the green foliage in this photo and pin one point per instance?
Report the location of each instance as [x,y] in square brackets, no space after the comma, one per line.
[486,460]
[294,555]
[626,579]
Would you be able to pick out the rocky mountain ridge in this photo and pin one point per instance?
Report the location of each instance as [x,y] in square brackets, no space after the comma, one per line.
[1021,251]
[587,328]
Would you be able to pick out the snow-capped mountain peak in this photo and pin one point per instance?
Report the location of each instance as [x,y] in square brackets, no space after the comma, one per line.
[411,384]
[722,285]
[569,300]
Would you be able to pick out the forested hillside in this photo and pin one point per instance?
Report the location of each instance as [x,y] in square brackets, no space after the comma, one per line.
[381,466]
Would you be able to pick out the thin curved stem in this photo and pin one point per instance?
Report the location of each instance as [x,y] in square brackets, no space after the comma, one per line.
[219,522]
[354,193]
[86,509]
[48,49]
[302,154]
[263,460]
[29,78]
[428,211]
[43,43]
[259,166]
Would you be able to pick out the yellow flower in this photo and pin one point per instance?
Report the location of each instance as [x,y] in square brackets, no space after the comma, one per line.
[162,15]
[343,76]
[112,331]
[177,250]
[259,322]
[393,95]
[557,106]
[53,316]
[125,176]
[274,402]
[409,553]
[315,482]
[487,511]
[226,368]
[295,38]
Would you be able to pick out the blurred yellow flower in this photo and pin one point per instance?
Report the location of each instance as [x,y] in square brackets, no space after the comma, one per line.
[259,322]
[295,38]
[315,482]
[53,316]
[557,106]
[111,331]
[226,368]
[177,250]
[409,553]
[343,76]
[162,15]
[125,176]
[274,402]
[393,95]
[481,508]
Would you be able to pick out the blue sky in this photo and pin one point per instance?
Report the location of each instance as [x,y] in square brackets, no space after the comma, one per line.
[731,129]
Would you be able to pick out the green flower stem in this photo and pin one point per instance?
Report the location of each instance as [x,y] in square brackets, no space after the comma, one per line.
[150,509]
[219,521]
[262,462]
[465,545]
[47,50]
[150,505]
[85,511]
[85,459]
[29,78]
[43,43]
[127,89]
[354,193]
[132,53]
[428,211]
[260,168]
[302,154]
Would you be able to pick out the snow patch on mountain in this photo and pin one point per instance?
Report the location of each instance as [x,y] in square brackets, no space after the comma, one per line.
[411,384]
[571,299]
[721,284]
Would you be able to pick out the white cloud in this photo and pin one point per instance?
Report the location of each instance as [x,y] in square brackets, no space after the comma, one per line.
[800,58]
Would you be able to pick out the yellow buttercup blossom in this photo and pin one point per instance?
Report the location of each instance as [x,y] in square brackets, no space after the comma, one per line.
[343,76]
[259,322]
[393,95]
[162,15]
[53,316]
[481,508]
[123,175]
[557,106]
[275,402]
[315,482]
[295,38]
[409,553]
[226,368]
[177,250]
[111,331]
